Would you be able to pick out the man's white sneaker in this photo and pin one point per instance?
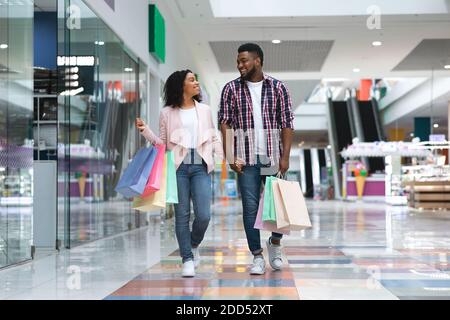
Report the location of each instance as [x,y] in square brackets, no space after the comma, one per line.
[196,253]
[188,269]
[259,266]
[274,252]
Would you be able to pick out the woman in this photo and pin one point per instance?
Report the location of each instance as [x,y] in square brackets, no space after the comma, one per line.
[186,127]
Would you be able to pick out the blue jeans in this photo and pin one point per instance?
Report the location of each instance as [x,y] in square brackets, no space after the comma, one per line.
[193,182]
[250,183]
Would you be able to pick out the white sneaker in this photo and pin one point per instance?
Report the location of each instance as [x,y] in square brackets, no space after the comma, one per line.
[188,269]
[274,252]
[196,253]
[259,266]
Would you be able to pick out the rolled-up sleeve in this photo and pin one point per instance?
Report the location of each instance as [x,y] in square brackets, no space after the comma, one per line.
[285,113]
[226,108]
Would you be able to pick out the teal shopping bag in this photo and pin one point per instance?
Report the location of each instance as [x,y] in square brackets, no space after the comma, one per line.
[269,204]
[171,176]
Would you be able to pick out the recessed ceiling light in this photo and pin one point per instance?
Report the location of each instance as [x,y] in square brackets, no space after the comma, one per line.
[128,70]
[447,66]
[377,43]
[411,135]
[276,41]
[3,46]
[356,70]
[436,125]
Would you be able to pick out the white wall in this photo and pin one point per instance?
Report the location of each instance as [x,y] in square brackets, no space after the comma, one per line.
[130,22]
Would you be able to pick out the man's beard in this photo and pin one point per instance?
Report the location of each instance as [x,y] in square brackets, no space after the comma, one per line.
[249,74]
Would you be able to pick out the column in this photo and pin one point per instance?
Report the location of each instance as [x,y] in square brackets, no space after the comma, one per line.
[422,128]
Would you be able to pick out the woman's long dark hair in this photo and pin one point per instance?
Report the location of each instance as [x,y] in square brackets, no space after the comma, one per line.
[174,88]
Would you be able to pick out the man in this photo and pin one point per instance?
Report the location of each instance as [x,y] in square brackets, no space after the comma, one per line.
[253,110]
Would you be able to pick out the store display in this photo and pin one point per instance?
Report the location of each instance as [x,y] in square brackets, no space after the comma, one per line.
[45,81]
[427,186]
[383,149]
[427,154]
[357,184]
[45,127]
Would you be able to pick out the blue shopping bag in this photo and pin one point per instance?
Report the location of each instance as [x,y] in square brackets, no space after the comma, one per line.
[134,178]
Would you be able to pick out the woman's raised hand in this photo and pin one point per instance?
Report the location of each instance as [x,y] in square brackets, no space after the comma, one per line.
[140,124]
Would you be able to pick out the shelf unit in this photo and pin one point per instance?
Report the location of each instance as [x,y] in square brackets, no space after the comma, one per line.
[428,186]
[45,126]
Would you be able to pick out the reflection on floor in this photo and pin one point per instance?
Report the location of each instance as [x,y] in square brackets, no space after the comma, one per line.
[88,272]
[353,251]
[15,234]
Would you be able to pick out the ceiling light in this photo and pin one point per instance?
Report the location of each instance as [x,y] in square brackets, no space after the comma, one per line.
[436,125]
[128,70]
[411,135]
[356,70]
[447,66]
[3,46]
[276,41]
[377,43]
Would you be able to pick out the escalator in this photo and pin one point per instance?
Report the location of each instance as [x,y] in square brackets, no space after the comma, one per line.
[340,132]
[368,111]
[342,123]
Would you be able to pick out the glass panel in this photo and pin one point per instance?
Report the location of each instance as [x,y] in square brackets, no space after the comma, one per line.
[16,132]
[99,137]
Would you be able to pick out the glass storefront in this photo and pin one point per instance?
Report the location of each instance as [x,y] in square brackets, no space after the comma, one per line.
[16,131]
[97,137]
[78,112]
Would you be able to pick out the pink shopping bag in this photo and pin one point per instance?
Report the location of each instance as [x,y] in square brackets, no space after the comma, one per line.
[266,225]
[154,180]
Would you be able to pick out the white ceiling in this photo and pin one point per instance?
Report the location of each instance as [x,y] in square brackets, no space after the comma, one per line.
[352,47]
[288,56]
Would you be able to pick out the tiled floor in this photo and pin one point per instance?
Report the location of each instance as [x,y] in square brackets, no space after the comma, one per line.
[354,251]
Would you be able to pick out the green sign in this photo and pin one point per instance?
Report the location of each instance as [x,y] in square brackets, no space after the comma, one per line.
[157,32]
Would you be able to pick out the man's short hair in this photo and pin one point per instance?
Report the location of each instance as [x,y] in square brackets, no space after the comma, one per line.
[254,48]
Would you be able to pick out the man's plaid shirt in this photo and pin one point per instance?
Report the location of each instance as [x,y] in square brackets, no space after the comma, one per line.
[236,110]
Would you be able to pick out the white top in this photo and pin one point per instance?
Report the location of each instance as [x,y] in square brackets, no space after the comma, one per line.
[260,136]
[190,124]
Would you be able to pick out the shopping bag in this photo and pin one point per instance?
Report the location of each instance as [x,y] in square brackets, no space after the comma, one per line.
[269,207]
[295,205]
[156,200]
[280,211]
[266,225]
[155,178]
[171,187]
[135,177]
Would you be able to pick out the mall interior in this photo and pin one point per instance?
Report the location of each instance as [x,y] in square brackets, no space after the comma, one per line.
[370,89]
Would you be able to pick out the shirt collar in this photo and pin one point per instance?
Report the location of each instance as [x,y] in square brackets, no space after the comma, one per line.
[265,78]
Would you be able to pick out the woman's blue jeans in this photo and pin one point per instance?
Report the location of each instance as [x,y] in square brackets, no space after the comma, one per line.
[194,183]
